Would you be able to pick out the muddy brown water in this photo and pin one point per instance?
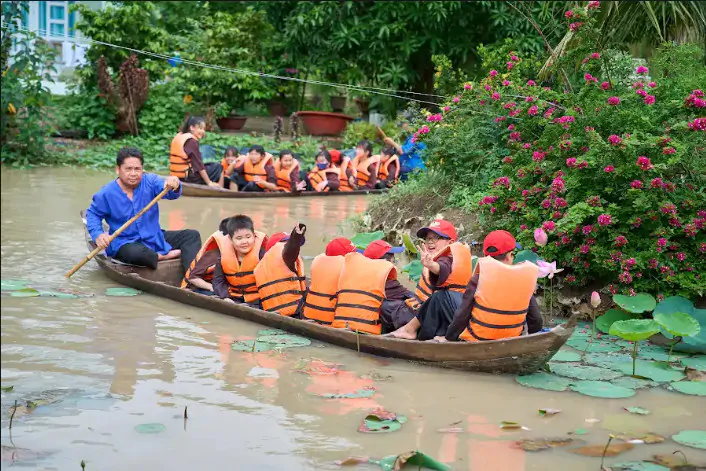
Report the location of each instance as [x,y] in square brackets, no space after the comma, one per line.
[110,364]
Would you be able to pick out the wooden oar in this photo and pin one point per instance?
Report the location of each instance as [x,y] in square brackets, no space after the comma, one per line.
[115,234]
[381,133]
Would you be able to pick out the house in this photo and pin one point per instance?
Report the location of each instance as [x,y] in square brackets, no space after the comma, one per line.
[53,22]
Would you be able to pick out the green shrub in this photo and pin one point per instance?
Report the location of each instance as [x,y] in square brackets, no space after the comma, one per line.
[164,111]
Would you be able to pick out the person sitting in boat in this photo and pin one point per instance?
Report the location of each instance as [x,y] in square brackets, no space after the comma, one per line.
[185,161]
[232,160]
[323,177]
[361,293]
[239,251]
[199,275]
[366,166]
[389,168]
[410,153]
[287,171]
[347,174]
[499,301]
[143,243]
[394,311]
[447,270]
[280,274]
[258,172]
[325,273]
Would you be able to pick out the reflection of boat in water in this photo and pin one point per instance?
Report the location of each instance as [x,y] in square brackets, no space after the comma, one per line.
[203,191]
[521,355]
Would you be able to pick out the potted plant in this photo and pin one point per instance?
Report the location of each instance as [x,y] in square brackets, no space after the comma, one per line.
[322,123]
[338,103]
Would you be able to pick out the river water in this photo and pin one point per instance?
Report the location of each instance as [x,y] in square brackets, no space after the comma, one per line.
[100,367]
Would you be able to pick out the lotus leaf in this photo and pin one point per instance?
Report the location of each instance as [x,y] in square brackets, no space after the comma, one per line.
[698,362]
[414,270]
[537,444]
[13,285]
[408,244]
[694,343]
[674,304]
[637,410]
[692,438]
[25,293]
[548,412]
[598,346]
[363,239]
[613,449]
[566,355]
[678,323]
[604,322]
[58,294]
[602,389]
[415,459]
[634,383]
[266,343]
[506,425]
[542,380]
[526,255]
[573,370]
[693,388]
[636,304]
[365,392]
[122,292]
[637,466]
[150,428]
[605,360]
[660,372]
[382,421]
[579,431]
[635,329]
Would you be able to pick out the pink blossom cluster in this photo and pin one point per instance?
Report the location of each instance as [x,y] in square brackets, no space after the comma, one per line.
[609,169]
[699,124]
[467,86]
[493,73]
[488,200]
[668,150]
[566,119]
[605,85]
[531,83]
[605,220]
[614,140]
[594,201]
[657,183]
[548,226]
[549,112]
[636,184]
[575,26]
[594,5]
[642,70]
[695,100]
[538,156]
[456,99]
[558,185]
[668,208]
[614,100]
[649,100]
[644,163]
[507,160]
[590,78]
[621,241]
[502,181]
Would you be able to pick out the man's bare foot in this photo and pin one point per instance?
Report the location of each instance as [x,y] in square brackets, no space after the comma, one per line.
[402,334]
[176,253]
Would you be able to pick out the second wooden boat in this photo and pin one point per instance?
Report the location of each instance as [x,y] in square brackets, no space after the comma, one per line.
[203,191]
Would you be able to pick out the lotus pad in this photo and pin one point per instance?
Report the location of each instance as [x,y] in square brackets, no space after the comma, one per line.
[413,270]
[634,383]
[382,422]
[637,466]
[365,392]
[692,438]
[565,355]
[678,323]
[363,239]
[542,380]
[637,410]
[415,460]
[674,304]
[122,292]
[266,343]
[635,329]
[604,322]
[25,293]
[58,294]
[698,362]
[605,360]
[574,370]
[526,255]
[695,343]
[150,428]
[693,388]
[602,389]
[655,371]
[598,345]
[636,304]
[408,244]
[13,285]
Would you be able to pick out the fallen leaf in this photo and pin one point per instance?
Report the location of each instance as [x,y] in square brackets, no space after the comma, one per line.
[648,438]
[353,460]
[614,449]
[549,412]
[537,444]
[510,425]
[382,421]
[360,393]
[579,431]
[7,388]
[451,430]
[637,410]
[692,374]
[592,421]
[422,461]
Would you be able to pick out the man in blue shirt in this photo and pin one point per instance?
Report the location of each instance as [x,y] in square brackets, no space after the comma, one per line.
[410,154]
[143,243]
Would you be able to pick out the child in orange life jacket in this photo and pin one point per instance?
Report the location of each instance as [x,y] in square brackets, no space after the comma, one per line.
[280,274]
[347,171]
[489,313]
[240,250]
[447,270]
[287,172]
[232,159]
[394,312]
[366,165]
[323,177]
[199,275]
[258,171]
[389,170]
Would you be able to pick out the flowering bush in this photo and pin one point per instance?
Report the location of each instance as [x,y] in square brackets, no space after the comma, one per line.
[613,173]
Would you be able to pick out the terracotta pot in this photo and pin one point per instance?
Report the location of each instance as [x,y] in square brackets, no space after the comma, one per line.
[231,123]
[321,123]
[363,105]
[276,108]
[338,103]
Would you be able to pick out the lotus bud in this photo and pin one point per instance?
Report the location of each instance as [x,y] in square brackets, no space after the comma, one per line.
[595,299]
[540,237]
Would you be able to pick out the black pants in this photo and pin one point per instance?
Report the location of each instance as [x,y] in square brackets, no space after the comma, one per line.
[437,312]
[188,241]
[395,314]
[251,186]
[213,170]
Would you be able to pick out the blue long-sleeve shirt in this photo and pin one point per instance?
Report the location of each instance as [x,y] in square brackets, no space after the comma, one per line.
[411,158]
[112,205]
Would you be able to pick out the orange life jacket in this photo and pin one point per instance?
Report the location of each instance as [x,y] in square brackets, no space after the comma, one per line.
[240,275]
[323,292]
[179,162]
[317,176]
[281,290]
[256,173]
[239,162]
[345,164]
[383,172]
[210,244]
[461,268]
[284,176]
[501,300]
[361,291]
[362,169]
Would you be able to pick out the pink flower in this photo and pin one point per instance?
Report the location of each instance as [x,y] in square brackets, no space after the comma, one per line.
[510,65]
[571,162]
[456,99]
[487,87]
[589,128]
[540,237]
[515,136]
[649,100]
[526,145]
[625,277]
[502,181]
[585,249]
[614,100]
[589,78]
[481,103]
[531,83]
[669,150]
[467,86]
[547,269]
[507,160]
[641,92]
[620,241]
[558,185]
[681,256]
[569,14]
[605,220]
[506,83]
[644,163]
[447,108]
[548,226]
[652,84]
[605,85]
[424,129]
[593,5]
[657,183]
[511,127]
[493,73]
[583,164]
[538,156]
[636,184]
[532,111]
[495,96]
[609,169]
[614,139]
[642,70]
[523,227]
[698,92]
[514,58]
[661,242]
[699,124]
[575,26]
[595,55]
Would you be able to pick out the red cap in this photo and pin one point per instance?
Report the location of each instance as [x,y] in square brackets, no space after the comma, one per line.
[378,248]
[339,246]
[502,241]
[275,238]
[335,155]
[441,227]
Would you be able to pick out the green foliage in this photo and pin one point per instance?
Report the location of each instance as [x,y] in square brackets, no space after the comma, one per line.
[636,304]
[164,111]
[360,130]
[24,127]
[446,78]
[92,113]
[634,329]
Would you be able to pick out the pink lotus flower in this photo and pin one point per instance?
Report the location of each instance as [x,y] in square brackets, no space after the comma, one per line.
[493,73]
[595,299]
[636,184]
[540,237]
[609,169]
[649,100]
[642,70]
[547,269]
[605,220]
[605,85]
[614,100]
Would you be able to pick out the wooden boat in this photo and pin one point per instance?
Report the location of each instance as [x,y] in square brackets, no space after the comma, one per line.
[203,191]
[519,355]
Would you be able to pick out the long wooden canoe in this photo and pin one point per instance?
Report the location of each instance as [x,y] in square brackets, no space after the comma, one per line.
[519,355]
[203,191]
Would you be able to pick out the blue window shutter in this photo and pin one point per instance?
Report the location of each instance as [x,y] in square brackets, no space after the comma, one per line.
[42,18]
[72,19]
[25,14]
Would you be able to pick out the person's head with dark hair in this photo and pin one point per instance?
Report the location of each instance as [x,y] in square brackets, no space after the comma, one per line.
[223,226]
[322,159]
[500,245]
[364,149]
[241,231]
[128,166]
[195,125]
[387,152]
[256,154]
[286,159]
[230,154]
